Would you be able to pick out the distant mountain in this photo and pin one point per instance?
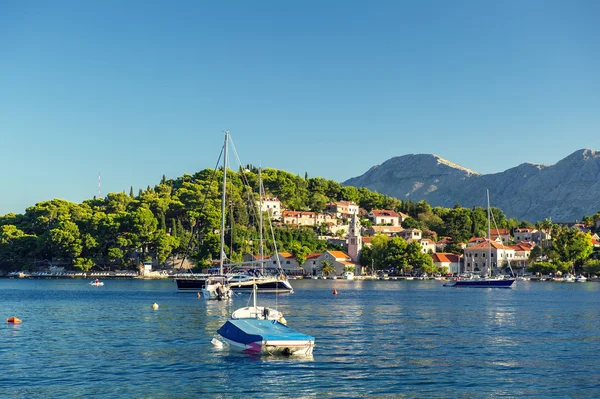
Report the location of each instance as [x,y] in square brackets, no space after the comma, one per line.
[566,191]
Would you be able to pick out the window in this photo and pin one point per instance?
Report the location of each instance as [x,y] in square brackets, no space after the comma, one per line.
[287,262]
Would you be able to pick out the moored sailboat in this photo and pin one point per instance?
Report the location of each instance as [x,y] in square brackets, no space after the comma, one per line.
[488,281]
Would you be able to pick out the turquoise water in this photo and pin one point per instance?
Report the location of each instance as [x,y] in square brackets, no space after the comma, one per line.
[375,339]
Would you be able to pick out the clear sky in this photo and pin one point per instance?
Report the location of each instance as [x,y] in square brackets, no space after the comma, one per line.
[137,89]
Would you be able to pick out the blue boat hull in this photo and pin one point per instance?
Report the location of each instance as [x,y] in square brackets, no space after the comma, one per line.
[483,283]
[265,336]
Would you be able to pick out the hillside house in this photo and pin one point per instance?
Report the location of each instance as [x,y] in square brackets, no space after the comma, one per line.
[272,206]
[387,230]
[523,234]
[410,234]
[342,209]
[384,216]
[502,234]
[299,218]
[427,245]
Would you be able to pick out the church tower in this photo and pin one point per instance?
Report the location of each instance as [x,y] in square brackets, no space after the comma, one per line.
[355,242]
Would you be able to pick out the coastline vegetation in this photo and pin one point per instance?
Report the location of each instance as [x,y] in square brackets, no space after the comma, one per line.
[182,215]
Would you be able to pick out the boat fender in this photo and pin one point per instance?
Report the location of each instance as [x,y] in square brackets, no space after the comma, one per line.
[198,295]
[282,320]
[282,277]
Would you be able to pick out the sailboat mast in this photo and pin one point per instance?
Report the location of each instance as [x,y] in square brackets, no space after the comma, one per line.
[260,194]
[489,271]
[222,254]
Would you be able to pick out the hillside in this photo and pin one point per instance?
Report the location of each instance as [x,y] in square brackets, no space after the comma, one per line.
[565,191]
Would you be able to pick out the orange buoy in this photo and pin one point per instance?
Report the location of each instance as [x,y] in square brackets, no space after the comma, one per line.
[334,291]
[13,320]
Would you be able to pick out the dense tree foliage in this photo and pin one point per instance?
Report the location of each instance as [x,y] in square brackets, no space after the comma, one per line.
[183,216]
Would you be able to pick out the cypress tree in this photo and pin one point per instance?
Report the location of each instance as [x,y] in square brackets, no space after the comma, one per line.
[131,191]
[163,224]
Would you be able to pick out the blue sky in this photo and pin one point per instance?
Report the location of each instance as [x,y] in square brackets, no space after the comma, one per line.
[138,89]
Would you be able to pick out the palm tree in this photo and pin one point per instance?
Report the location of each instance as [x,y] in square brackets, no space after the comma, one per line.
[327,267]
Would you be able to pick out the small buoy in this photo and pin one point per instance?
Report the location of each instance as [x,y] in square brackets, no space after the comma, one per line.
[13,320]
[198,295]
[155,305]
[334,291]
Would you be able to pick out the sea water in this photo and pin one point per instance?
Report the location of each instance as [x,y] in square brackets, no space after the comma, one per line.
[383,339]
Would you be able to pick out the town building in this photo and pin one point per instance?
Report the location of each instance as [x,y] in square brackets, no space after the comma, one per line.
[384,216]
[479,257]
[451,261]
[272,206]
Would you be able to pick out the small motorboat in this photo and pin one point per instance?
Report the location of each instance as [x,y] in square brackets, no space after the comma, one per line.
[97,283]
[262,330]
[216,288]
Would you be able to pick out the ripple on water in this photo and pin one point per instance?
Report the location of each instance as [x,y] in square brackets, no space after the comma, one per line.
[375,339]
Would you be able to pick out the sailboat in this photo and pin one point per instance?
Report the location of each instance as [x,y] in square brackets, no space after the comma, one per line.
[488,281]
[217,287]
[262,330]
[258,278]
[213,286]
[243,280]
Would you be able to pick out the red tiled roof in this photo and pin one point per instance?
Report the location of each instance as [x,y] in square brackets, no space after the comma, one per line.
[313,255]
[338,254]
[445,257]
[298,214]
[484,245]
[384,212]
[286,254]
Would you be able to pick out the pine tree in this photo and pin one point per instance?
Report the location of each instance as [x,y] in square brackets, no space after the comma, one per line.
[131,191]
[140,193]
[164,180]
[173,228]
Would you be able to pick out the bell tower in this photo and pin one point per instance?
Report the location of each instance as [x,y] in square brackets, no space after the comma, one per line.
[355,242]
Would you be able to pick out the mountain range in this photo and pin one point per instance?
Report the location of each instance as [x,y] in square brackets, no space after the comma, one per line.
[564,192]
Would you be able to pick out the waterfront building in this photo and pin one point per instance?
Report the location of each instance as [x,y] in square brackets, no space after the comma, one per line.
[449,260]
[476,256]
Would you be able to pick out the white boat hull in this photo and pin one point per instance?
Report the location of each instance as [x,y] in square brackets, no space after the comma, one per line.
[284,348]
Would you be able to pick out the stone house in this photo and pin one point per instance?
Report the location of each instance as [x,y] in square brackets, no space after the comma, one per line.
[477,258]
[523,234]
